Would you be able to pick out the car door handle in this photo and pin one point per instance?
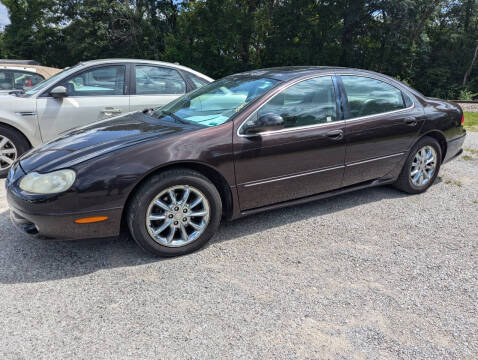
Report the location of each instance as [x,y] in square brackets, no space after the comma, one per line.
[336,134]
[410,121]
[111,111]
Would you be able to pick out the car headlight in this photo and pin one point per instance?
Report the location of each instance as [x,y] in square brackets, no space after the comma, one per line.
[51,183]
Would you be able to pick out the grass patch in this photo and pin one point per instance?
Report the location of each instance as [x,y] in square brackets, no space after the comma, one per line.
[468,157]
[471,121]
[471,151]
[453,182]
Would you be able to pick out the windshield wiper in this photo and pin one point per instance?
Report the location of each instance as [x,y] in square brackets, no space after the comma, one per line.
[149,111]
[175,117]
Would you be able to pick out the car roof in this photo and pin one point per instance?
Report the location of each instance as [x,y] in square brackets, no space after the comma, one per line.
[19,62]
[44,71]
[286,73]
[156,62]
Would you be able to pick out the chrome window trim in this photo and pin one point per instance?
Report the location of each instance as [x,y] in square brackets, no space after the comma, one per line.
[89,96]
[380,114]
[178,95]
[268,133]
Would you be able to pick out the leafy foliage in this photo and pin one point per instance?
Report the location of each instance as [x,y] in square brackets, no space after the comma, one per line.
[430,44]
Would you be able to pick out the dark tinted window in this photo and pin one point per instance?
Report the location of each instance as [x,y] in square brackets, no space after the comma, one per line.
[158,80]
[25,80]
[367,96]
[306,103]
[197,81]
[6,80]
[408,101]
[18,80]
[102,81]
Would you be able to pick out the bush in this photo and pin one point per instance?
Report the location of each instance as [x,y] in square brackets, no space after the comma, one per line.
[466,95]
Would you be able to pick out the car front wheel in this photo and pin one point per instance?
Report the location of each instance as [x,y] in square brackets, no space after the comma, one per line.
[174,213]
[12,145]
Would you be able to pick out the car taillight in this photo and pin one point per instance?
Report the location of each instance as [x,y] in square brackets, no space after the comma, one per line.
[462,119]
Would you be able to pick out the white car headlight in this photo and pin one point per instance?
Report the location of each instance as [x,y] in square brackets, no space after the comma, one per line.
[51,183]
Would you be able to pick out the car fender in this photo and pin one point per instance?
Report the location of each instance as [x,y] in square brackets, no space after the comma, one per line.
[23,118]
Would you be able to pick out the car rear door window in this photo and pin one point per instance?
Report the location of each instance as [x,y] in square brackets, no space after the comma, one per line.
[101,81]
[308,102]
[367,96]
[157,80]
[25,80]
[6,80]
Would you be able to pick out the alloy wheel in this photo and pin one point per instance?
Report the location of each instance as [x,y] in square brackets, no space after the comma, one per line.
[423,166]
[8,153]
[177,216]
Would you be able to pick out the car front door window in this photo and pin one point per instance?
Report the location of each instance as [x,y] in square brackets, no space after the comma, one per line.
[102,81]
[308,102]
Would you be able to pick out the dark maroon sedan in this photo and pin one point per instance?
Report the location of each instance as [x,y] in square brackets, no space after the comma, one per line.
[243,144]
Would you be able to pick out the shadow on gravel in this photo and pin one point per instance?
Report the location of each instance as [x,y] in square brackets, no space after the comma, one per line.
[26,260]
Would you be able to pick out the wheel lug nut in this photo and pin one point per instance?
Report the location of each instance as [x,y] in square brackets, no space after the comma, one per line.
[185,211]
[176,208]
[175,223]
[184,219]
[170,216]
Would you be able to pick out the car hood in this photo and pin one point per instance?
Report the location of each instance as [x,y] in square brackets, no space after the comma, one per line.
[94,140]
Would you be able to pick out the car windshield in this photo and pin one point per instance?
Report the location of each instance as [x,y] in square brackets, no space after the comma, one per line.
[216,103]
[47,82]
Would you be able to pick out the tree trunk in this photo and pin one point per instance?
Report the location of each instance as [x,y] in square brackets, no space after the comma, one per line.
[426,15]
[468,71]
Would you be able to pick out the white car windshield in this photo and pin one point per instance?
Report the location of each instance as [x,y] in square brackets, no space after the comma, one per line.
[216,103]
[47,82]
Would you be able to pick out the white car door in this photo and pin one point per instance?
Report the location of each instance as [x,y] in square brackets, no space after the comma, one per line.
[92,95]
[155,86]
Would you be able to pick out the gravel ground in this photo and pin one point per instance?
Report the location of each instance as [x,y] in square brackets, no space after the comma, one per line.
[369,275]
[472,107]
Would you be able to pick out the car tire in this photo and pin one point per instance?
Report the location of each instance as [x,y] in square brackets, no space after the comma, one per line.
[15,141]
[405,181]
[143,206]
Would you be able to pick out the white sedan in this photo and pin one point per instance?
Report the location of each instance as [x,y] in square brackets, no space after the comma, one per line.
[88,92]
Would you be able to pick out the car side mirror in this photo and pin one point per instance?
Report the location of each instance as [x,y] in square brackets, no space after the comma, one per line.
[267,122]
[59,92]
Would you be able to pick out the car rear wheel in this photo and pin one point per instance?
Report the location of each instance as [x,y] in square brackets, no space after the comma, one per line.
[12,145]
[421,168]
[174,213]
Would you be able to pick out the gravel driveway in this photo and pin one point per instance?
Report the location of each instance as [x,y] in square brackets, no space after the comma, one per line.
[368,275]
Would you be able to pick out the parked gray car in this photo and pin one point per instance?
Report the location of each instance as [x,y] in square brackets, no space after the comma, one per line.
[88,92]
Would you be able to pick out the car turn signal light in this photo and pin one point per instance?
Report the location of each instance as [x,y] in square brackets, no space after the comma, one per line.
[90,220]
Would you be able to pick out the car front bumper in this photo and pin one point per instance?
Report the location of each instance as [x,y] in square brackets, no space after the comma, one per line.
[40,217]
[64,227]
